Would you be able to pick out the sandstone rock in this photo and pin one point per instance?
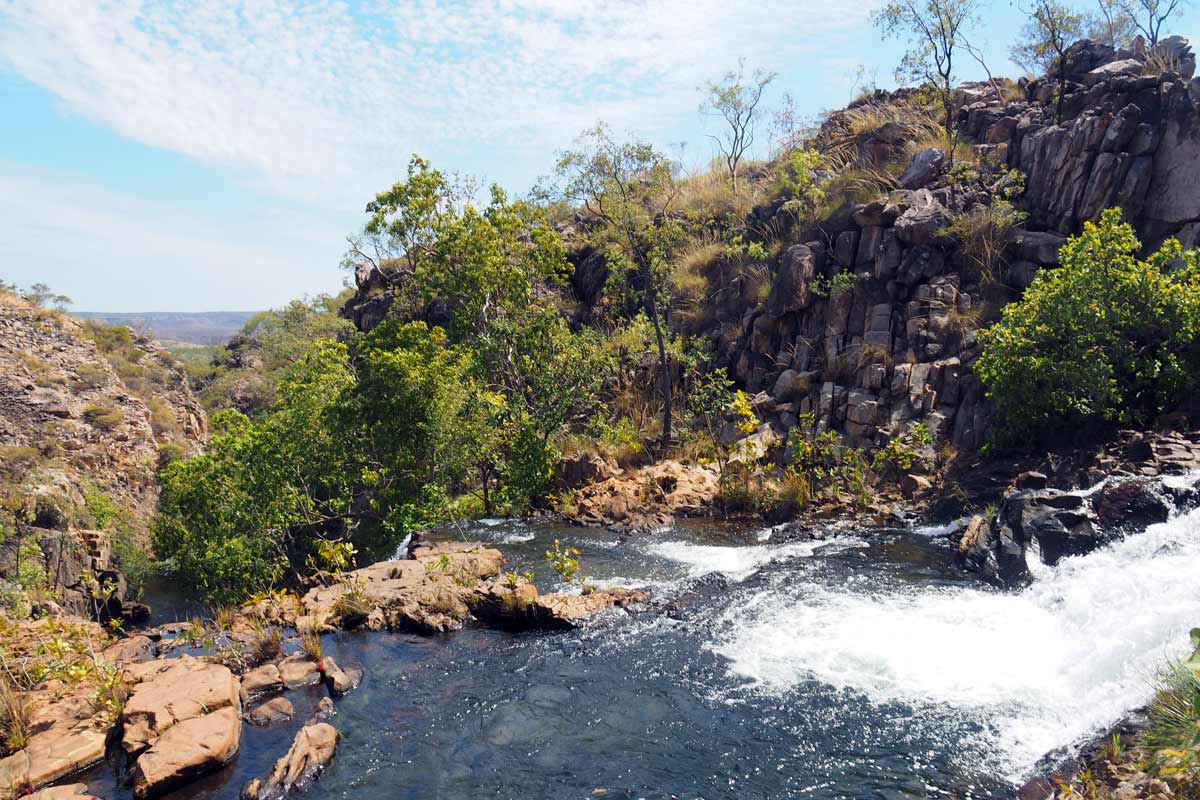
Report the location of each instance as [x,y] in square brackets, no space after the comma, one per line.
[569,610]
[919,224]
[170,692]
[277,709]
[261,680]
[1032,480]
[311,751]
[424,594]
[915,485]
[298,670]
[340,681]
[133,650]
[191,748]
[69,791]
[50,755]
[922,169]
[582,469]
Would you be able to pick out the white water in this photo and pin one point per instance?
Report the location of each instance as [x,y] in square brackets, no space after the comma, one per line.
[1040,668]
[735,563]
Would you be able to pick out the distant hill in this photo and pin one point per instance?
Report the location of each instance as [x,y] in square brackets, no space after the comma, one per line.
[201,327]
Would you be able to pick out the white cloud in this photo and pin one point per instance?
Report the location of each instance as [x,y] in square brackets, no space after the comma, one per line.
[321,100]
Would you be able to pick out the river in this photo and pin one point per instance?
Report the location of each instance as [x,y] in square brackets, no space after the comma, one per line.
[861,665]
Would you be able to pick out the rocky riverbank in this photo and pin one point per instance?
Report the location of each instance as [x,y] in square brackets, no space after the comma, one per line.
[171,701]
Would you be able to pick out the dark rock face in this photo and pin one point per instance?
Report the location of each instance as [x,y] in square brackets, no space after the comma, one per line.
[1129,505]
[1058,524]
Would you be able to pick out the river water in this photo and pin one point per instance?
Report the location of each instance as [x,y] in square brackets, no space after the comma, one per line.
[861,665]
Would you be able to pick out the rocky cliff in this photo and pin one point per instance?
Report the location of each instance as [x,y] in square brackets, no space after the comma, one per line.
[87,413]
[899,345]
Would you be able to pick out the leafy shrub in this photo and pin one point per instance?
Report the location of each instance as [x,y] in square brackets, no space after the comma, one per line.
[1104,338]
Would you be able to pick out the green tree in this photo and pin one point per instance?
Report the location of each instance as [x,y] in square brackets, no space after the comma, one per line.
[233,517]
[735,99]
[41,295]
[1050,28]
[1106,337]
[936,31]
[630,188]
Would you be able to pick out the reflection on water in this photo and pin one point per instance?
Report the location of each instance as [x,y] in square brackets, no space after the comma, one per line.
[862,665]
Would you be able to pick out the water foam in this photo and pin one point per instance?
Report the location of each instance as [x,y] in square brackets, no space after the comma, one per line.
[1040,668]
[734,562]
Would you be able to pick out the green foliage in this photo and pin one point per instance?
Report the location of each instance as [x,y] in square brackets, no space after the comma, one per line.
[835,287]
[230,517]
[903,451]
[629,187]
[565,561]
[805,195]
[1106,337]
[1173,732]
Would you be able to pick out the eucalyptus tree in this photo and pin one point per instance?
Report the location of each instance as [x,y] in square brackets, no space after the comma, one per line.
[629,187]
[1149,16]
[735,99]
[1042,45]
[936,30]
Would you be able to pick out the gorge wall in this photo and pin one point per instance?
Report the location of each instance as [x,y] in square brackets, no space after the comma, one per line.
[899,346]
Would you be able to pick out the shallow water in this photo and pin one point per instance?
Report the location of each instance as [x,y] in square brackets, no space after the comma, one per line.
[863,665]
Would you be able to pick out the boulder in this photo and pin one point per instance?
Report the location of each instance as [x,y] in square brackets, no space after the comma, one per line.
[922,169]
[261,680]
[582,469]
[1128,506]
[340,681]
[791,289]
[561,610]
[299,670]
[311,752]
[187,750]
[133,650]
[50,755]
[1125,66]
[277,709]
[917,225]
[173,691]
[66,791]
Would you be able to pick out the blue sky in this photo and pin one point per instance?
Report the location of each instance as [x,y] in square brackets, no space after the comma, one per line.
[201,156]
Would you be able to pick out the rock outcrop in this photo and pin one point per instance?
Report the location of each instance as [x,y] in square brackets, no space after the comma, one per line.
[515,604]
[644,498]
[167,693]
[195,746]
[311,751]
[1059,524]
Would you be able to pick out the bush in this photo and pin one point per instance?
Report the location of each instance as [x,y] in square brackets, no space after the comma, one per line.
[1104,338]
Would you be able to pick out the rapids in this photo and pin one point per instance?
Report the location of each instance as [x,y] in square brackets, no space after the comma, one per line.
[862,665]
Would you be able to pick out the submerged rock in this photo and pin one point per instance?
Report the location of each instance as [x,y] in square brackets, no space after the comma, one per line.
[261,680]
[516,605]
[277,709]
[189,749]
[311,751]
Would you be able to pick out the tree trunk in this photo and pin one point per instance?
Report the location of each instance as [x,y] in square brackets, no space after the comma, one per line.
[664,369]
